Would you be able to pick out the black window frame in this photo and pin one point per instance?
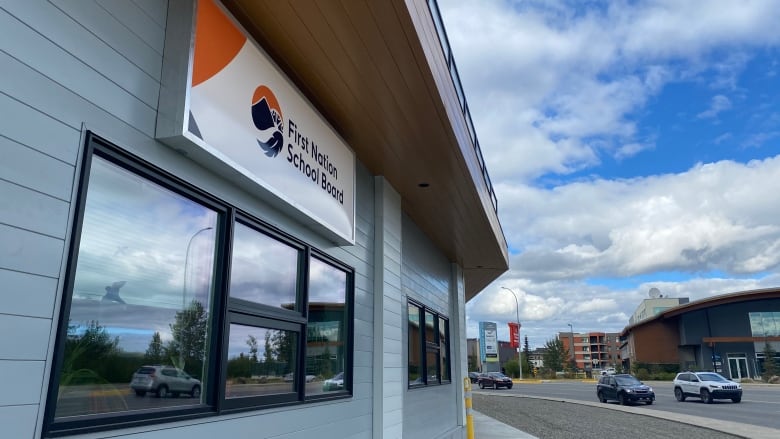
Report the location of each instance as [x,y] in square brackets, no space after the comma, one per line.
[427,347]
[226,310]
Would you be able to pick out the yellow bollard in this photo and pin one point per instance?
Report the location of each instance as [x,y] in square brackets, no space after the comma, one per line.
[469,415]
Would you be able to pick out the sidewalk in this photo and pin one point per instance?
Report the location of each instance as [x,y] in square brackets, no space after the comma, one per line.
[486,427]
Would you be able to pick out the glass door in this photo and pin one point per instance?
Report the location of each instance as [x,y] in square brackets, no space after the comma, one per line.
[738,367]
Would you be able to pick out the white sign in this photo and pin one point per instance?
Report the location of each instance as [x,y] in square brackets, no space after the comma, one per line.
[243,111]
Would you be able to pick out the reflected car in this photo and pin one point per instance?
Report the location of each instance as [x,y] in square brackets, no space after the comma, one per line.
[289,378]
[474,377]
[164,381]
[624,388]
[335,383]
[494,380]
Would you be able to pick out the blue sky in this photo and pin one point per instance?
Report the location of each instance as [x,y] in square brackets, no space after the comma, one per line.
[632,145]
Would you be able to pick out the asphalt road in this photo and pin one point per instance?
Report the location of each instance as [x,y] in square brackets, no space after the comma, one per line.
[565,406]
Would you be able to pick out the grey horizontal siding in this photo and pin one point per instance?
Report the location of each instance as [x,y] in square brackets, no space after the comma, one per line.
[29,126]
[47,56]
[117,36]
[17,391]
[29,252]
[29,342]
[33,211]
[156,10]
[26,294]
[426,277]
[51,176]
[18,421]
[139,21]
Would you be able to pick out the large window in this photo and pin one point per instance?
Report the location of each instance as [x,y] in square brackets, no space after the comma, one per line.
[765,324]
[428,341]
[178,304]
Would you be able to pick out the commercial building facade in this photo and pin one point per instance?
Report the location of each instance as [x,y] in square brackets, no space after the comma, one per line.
[726,333]
[238,217]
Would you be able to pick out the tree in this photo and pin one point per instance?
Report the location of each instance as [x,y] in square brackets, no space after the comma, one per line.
[188,347]
[556,355]
[527,366]
[770,366]
[512,368]
[155,354]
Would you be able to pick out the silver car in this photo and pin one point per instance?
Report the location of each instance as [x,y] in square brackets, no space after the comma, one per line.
[164,381]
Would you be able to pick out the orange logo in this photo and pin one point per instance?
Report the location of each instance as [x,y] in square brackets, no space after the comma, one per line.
[267,117]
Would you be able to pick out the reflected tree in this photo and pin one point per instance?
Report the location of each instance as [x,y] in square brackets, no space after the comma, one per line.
[89,355]
[155,353]
[251,341]
[187,350]
[268,350]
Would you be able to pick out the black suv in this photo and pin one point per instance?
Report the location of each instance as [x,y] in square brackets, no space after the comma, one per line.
[623,388]
[494,380]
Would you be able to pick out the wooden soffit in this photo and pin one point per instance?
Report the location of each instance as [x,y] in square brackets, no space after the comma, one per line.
[376,71]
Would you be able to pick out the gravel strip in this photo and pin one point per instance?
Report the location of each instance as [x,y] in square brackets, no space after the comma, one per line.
[561,420]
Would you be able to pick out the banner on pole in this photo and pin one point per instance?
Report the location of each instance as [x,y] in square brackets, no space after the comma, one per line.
[514,334]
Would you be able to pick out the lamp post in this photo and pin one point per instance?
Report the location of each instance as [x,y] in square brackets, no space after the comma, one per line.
[571,339]
[517,310]
[186,260]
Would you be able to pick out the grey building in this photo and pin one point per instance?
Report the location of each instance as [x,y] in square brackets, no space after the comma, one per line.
[237,218]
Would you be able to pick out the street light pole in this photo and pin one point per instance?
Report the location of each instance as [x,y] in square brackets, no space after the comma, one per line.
[517,310]
[571,339]
[186,259]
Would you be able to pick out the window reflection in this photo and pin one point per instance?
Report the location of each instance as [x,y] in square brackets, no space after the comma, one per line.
[444,350]
[415,354]
[264,270]
[430,328]
[261,361]
[326,337]
[141,296]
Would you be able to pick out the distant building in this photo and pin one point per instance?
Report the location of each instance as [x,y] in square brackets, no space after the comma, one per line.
[592,350]
[536,357]
[726,333]
[655,304]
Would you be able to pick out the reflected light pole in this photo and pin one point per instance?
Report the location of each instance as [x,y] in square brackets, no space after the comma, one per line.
[517,309]
[186,260]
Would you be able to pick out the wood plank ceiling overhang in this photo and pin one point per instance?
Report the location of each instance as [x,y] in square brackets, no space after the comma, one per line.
[376,71]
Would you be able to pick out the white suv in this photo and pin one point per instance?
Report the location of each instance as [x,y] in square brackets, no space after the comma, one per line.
[707,386]
[164,381]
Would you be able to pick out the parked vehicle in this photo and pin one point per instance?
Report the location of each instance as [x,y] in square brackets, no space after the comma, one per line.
[494,380]
[624,388]
[707,386]
[474,377]
[164,381]
[335,383]
[608,371]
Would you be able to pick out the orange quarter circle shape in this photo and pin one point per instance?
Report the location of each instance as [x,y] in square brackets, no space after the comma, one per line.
[217,41]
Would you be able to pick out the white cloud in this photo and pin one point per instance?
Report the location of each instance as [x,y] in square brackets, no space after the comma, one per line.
[718,104]
[556,87]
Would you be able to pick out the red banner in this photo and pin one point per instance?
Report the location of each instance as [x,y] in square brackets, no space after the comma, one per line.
[514,334]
